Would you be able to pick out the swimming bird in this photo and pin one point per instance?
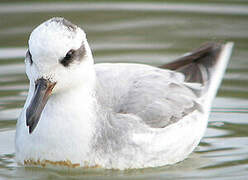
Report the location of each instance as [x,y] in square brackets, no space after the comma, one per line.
[112,115]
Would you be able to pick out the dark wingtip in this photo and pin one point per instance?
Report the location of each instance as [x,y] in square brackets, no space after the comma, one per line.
[191,64]
[196,55]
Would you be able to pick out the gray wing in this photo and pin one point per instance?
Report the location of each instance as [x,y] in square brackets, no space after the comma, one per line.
[158,96]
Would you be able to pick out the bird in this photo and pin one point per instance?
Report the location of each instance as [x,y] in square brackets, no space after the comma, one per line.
[112,115]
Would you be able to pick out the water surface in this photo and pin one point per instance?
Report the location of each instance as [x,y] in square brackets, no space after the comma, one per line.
[150,33]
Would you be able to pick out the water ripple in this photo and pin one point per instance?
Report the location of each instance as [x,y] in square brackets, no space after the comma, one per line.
[174,7]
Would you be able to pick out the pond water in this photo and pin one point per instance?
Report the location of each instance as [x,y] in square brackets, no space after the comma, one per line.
[150,33]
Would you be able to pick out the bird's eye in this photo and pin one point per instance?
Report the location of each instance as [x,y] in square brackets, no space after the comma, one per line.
[29,56]
[68,58]
[69,54]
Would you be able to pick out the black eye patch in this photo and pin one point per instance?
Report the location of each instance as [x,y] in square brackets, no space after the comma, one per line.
[73,55]
[68,58]
[29,56]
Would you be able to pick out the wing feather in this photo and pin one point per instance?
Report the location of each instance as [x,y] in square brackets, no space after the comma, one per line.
[159,97]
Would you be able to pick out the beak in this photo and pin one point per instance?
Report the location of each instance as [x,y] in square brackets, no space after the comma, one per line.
[43,89]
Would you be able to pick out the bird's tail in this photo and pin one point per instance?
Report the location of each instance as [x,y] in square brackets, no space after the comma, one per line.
[205,65]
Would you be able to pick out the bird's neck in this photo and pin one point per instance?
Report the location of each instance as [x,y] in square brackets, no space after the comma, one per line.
[66,127]
[77,105]
[68,120]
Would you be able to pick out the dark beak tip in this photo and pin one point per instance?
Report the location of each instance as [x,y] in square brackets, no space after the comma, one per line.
[30,129]
[31,124]
[43,89]
[32,120]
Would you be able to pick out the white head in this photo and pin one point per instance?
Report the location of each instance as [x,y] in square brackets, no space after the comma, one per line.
[58,50]
[59,59]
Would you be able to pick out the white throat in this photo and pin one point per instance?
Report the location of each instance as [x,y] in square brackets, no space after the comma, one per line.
[74,109]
